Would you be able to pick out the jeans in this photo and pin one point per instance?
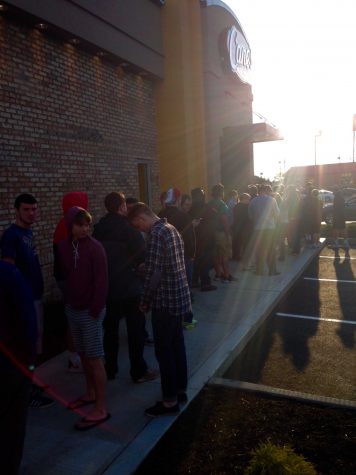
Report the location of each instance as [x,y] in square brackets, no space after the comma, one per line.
[202,265]
[170,353]
[15,392]
[136,334]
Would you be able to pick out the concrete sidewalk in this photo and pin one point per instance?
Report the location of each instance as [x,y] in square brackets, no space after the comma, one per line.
[226,320]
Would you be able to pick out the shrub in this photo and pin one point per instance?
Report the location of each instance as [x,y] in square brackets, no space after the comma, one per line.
[271,459]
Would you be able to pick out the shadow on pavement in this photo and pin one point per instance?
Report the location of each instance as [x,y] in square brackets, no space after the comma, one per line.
[343,271]
[294,336]
[250,364]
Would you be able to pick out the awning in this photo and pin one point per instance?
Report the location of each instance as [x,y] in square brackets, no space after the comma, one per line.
[260,132]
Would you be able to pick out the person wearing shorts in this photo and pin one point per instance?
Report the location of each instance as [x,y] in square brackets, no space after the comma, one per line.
[83,264]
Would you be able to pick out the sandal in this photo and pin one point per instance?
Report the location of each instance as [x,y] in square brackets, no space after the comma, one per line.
[86,424]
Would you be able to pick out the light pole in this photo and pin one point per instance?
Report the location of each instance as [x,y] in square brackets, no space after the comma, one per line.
[353,138]
[315,137]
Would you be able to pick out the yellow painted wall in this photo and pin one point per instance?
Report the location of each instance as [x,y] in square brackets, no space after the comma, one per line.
[180,99]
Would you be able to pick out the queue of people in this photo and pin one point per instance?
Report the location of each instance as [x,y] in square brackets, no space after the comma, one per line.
[135,262]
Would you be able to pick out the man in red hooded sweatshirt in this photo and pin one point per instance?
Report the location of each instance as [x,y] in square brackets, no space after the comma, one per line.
[73,198]
[83,266]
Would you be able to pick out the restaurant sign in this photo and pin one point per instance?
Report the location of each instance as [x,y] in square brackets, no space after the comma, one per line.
[239,54]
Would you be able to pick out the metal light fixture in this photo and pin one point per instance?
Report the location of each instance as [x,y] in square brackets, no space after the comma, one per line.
[42,26]
[74,41]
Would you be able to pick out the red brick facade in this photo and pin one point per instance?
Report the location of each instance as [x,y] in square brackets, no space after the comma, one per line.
[69,121]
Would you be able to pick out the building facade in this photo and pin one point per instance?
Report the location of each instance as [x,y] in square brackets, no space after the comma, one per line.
[323,176]
[204,105]
[131,95]
[77,109]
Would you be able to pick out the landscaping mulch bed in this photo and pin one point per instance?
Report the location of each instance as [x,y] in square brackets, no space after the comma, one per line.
[217,433]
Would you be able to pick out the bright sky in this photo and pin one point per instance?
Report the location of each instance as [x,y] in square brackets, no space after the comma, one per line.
[304,78]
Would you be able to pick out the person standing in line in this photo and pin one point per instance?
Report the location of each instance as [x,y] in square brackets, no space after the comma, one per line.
[83,264]
[74,198]
[241,227]
[339,221]
[17,247]
[205,219]
[316,212]
[166,293]
[223,245]
[125,251]
[231,202]
[18,339]
[184,225]
[263,211]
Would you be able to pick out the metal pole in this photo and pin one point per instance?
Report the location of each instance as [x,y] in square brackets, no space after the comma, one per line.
[353,148]
[315,150]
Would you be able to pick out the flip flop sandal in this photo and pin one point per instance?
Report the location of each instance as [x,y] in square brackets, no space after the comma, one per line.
[86,424]
[78,403]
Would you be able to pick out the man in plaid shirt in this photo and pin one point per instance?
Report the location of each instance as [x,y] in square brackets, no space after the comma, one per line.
[166,293]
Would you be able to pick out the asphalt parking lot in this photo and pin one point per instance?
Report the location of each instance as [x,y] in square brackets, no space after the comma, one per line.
[308,343]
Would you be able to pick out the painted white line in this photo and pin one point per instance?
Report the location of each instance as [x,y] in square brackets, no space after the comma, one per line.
[331,280]
[338,257]
[305,317]
[299,396]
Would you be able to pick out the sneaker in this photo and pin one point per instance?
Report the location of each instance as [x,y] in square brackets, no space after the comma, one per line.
[39,401]
[231,278]
[150,375]
[208,288]
[190,325]
[182,398]
[159,409]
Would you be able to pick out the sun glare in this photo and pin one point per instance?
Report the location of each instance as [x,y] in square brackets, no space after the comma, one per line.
[304,76]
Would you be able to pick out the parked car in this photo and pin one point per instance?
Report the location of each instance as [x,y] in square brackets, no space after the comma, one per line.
[348,192]
[326,196]
[350,211]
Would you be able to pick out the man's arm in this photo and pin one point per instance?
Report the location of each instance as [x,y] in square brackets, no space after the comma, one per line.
[155,253]
[8,247]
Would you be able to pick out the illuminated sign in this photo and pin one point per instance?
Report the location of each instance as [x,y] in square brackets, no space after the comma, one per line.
[239,54]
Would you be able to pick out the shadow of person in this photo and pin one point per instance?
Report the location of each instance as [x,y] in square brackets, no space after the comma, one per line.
[249,365]
[343,271]
[295,334]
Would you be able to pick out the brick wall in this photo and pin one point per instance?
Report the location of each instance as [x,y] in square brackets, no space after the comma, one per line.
[69,121]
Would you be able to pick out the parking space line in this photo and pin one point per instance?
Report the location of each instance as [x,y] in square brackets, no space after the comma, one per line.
[306,317]
[338,257]
[331,280]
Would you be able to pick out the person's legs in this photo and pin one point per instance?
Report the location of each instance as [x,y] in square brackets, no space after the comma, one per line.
[135,324]
[164,331]
[15,392]
[92,358]
[111,336]
[90,390]
[180,357]
[205,264]
[97,378]
[270,244]
[260,252]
